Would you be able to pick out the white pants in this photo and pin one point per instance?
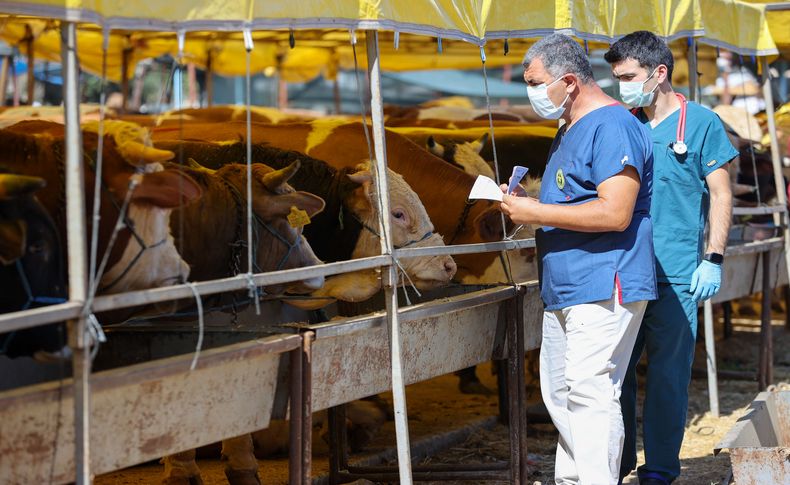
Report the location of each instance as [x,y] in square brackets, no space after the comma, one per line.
[583,360]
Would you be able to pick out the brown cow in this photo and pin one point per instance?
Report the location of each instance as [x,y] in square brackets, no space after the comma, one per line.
[442,188]
[143,255]
[212,231]
[348,228]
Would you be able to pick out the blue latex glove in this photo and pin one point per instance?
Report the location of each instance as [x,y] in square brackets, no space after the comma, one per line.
[706,281]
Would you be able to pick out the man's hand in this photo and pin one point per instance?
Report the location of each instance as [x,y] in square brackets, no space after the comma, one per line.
[706,281]
[521,210]
[518,191]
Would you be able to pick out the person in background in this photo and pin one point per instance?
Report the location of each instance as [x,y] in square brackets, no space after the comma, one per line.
[596,261]
[691,185]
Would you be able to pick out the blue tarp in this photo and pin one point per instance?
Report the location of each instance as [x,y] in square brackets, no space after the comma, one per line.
[460,83]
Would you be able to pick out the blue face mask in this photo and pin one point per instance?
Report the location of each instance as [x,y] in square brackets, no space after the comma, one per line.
[632,92]
[539,99]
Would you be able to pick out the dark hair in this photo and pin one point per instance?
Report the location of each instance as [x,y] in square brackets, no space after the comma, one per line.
[644,47]
[561,55]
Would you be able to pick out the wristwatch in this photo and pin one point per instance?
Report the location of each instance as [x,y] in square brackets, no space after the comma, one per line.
[715,258]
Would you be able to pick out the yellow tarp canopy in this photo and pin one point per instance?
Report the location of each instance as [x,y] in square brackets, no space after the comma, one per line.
[736,24]
[212,30]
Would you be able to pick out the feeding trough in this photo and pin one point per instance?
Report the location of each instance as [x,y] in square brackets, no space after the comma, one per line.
[759,443]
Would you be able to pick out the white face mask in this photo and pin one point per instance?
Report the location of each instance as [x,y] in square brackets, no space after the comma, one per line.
[632,94]
[539,99]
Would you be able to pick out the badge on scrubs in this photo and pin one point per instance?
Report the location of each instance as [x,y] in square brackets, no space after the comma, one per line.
[560,179]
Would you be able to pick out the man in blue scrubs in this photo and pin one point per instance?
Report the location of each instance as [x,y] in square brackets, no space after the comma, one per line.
[596,258]
[690,185]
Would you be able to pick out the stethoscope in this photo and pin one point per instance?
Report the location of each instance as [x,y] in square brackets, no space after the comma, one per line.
[679,146]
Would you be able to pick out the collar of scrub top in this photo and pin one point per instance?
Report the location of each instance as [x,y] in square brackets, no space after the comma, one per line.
[678,146]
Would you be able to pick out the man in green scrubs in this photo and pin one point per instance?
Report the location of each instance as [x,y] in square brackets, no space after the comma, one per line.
[690,185]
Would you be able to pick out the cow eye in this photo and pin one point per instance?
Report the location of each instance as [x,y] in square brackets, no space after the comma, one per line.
[398,214]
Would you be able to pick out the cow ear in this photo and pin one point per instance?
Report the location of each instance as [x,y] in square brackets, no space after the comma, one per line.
[311,203]
[167,189]
[478,144]
[434,147]
[489,225]
[13,235]
[363,177]
[280,205]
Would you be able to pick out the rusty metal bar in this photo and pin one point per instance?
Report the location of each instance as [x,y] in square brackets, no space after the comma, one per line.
[766,339]
[338,458]
[389,276]
[481,475]
[296,428]
[437,467]
[307,406]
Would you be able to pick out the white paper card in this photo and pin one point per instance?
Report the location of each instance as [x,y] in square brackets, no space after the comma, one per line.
[518,173]
[485,188]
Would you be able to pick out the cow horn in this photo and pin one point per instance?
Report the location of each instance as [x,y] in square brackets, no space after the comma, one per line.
[12,185]
[194,165]
[137,154]
[273,180]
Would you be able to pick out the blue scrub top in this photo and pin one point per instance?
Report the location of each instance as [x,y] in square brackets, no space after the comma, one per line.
[680,193]
[579,267]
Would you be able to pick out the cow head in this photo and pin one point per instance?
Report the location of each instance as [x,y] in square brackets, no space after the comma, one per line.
[281,244]
[150,258]
[465,155]
[410,224]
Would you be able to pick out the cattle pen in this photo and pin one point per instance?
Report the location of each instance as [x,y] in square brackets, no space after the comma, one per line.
[139,409]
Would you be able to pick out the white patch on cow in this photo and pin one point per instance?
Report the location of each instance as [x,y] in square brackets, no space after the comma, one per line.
[159,265]
[426,272]
[321,129]
[275,115]
[468,156]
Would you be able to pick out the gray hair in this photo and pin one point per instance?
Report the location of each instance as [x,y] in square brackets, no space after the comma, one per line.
[560,55]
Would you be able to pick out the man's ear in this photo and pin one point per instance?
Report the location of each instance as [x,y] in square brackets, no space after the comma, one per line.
[661,72]
[571,82]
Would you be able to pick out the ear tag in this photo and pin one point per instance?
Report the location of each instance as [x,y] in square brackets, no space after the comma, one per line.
[298,218]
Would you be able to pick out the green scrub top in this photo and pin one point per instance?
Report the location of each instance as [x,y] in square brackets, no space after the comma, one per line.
[680,194]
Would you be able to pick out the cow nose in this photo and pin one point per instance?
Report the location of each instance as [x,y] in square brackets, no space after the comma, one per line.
[450,267]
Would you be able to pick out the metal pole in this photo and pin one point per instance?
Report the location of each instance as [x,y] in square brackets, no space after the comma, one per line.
[77,251]
[4,78]
[389,275]
[766,361]
[710,351]
[693,76]
[31,59]
[776,158]
[125,57]
[209,78]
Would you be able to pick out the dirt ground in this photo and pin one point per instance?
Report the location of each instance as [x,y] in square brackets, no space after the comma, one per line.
[436,406]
